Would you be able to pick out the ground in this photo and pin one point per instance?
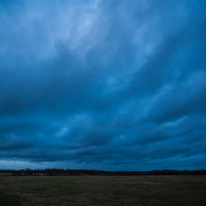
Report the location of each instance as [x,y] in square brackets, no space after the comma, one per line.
[103,190]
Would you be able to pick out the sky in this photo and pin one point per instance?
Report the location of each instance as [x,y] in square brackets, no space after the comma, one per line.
[103,84]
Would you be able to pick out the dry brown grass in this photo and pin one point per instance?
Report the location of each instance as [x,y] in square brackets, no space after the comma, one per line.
[91,190]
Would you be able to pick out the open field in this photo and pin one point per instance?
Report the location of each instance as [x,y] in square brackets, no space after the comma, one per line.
[103,190]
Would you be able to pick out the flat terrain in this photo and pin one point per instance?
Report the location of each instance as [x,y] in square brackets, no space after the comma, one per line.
[103,190]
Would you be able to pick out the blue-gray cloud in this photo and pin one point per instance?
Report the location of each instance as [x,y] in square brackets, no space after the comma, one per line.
[103,84]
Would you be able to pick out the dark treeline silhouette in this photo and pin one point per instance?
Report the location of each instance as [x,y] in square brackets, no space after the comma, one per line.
[75,172]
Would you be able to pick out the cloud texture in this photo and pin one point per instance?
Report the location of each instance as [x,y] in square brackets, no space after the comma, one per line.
[114,85]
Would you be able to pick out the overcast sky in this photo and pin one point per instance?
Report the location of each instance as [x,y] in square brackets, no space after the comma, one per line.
[103,84]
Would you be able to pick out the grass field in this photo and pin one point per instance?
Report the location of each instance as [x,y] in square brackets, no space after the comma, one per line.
[103,190]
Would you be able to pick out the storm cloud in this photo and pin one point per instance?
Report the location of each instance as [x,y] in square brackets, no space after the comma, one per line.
[113,85]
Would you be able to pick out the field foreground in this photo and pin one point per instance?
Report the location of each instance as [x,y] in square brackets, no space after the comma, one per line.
[103,190]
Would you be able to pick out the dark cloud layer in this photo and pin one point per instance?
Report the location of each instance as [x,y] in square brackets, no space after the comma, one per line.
[112,85]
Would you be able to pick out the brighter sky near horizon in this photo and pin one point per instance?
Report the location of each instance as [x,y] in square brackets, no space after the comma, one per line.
[103,84]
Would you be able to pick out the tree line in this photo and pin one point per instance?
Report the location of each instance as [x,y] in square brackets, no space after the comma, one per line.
[81,172]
